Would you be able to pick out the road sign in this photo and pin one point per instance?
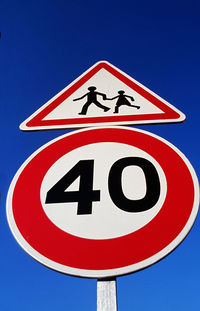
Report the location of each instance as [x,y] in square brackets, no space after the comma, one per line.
[103,202]
[103,95]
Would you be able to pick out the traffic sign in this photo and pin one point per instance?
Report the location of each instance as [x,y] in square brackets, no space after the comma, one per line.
[103,95]
[103,202]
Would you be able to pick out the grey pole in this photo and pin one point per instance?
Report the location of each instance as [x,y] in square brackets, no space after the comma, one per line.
[106,295]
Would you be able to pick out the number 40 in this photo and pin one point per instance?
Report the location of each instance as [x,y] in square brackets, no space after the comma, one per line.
[86,195]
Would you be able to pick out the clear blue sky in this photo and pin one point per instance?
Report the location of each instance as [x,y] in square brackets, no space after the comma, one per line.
[44,46]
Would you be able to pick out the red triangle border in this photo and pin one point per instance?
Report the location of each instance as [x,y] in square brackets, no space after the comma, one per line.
[168,115]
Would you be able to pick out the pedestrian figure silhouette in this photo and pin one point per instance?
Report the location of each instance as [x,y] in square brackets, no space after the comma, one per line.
[92,98]
[122,100]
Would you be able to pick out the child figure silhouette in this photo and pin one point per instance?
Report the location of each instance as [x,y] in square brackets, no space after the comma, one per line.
[122,100]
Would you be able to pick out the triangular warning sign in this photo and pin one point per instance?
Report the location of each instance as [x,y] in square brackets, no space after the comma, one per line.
[103,95]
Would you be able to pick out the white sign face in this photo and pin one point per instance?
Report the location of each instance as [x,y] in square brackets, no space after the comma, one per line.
[103,95]
[104,213]
[109,85]
[103,202]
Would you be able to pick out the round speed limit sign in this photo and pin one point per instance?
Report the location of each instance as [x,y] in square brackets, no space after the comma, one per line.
[103,202]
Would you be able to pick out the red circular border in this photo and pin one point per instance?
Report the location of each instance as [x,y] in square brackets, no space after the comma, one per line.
[76,252]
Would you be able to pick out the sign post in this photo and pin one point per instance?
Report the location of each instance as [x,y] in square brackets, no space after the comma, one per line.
[106,295]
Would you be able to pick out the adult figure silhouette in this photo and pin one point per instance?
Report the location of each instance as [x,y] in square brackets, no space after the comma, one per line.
[92,99]
[122,100]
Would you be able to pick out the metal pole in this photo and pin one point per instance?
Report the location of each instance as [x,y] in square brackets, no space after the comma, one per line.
[106,295]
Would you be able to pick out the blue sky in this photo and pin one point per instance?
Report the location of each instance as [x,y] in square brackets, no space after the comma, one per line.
[44,46]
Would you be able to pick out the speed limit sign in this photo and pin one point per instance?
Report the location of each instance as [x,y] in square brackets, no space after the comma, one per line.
[103,202]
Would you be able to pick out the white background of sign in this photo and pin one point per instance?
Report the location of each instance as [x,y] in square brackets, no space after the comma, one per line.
[106,220]
[108,84]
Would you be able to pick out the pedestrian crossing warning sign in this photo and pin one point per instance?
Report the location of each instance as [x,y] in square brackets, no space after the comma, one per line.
[103,95]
